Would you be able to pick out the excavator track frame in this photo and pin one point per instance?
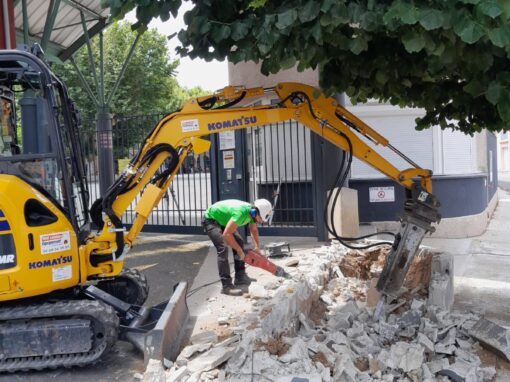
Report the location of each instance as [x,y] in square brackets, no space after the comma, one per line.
[104,323]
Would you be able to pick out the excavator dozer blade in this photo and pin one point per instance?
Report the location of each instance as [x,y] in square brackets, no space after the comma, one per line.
[158,331]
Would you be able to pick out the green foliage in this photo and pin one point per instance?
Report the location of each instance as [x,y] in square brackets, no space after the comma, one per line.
[449,57]
[148,85]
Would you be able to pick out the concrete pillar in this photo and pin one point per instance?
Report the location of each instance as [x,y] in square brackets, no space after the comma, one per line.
[105,150]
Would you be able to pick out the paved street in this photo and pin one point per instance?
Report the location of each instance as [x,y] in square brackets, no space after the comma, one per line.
[165,260]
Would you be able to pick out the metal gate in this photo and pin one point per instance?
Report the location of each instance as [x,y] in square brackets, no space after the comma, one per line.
[280,170]
[278,167]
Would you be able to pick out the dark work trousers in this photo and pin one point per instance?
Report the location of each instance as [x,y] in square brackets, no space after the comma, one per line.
[215,233]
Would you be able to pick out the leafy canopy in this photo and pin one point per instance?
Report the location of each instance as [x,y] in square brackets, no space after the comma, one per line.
[450,57]
[148,85]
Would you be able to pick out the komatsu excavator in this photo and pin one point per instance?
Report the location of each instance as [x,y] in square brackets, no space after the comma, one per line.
[65,297]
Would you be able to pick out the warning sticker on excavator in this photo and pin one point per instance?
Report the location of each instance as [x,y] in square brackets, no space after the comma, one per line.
[62,273]
[189,125]
[381,194]
[55,242]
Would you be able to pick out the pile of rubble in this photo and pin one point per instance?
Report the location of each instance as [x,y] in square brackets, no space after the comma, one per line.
[319,327]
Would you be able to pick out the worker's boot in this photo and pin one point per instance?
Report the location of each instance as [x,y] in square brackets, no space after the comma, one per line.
[231,290]
[243,279]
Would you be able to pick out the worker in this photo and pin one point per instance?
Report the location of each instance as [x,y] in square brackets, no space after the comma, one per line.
[220,223]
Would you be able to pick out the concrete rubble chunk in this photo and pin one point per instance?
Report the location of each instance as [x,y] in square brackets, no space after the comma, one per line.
[486,374]
[444,349]
[211,359]
[410,318]
[154,372]
[437,365]
[297,351]
[460,372]
[493,336]
[257,291]
[191,350]
[424,341]
[387,331]
[177,374]
[228,341]
[341,321]
[204,337]
[405,356]
[441,291]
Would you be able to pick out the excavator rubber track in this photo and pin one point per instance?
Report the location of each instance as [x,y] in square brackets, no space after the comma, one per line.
[55,322]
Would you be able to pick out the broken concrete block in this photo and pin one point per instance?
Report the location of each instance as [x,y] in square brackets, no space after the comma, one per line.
[405,356]
[326,299]
[257,291]
[297,351]
[229,341]
[211,359]
[486,374]
[438,364]
[177,375]
[460,372]
[190,350]
[442,263]
[154,371]
[387,331]
[344,369]
[444,349]
[424,341]
[467,357]
[340,321]
[441,291]
[204,337]
[492,336]
[417,304]
[410,318]
[195,377]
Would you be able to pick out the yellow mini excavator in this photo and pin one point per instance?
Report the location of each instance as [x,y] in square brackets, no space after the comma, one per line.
[65,296]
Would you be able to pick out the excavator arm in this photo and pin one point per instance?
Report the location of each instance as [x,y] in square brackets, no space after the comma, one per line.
[182,132]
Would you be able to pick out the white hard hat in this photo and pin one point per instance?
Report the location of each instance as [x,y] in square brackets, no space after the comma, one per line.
[265,208]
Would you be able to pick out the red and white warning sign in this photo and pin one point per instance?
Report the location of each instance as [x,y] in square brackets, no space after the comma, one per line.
[55,242]
[381,194]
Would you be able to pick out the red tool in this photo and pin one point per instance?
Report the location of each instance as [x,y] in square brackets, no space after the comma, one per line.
[260,261]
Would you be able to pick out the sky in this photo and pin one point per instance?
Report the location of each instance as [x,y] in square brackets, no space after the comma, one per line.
[211,75]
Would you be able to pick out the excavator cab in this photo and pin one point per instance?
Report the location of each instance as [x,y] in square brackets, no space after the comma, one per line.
[39,140]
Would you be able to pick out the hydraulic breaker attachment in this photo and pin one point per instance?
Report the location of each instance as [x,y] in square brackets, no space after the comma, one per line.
[156,331]
[420,212]
[260,261]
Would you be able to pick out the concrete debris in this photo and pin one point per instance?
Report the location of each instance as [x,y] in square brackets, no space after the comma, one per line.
[257,291]
[492,336]
[205,337]
[211,359]
[175,374]
[417,339]
[154,372]
[460,372]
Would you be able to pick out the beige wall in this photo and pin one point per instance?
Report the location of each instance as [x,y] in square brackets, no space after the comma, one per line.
[249,75]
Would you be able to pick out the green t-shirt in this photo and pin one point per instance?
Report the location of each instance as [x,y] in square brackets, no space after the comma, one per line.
[225,210]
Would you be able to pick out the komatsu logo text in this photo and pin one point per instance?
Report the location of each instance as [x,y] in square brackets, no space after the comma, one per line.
[243,121]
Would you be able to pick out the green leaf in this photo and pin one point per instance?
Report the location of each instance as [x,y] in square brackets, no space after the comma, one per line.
[310,11]
[340,14]
[286,19]
[239,30]
[500,36]
[220,33]
[358,45]
[494,92]
[504,108]
[475,88]
[413,41]
[264,48]
[326,5]
[288,62]
[469,30]
[316,33]
[381,77]
[431,19]
[489,8]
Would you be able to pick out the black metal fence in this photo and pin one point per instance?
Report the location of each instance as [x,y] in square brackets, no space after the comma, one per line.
[279,169]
